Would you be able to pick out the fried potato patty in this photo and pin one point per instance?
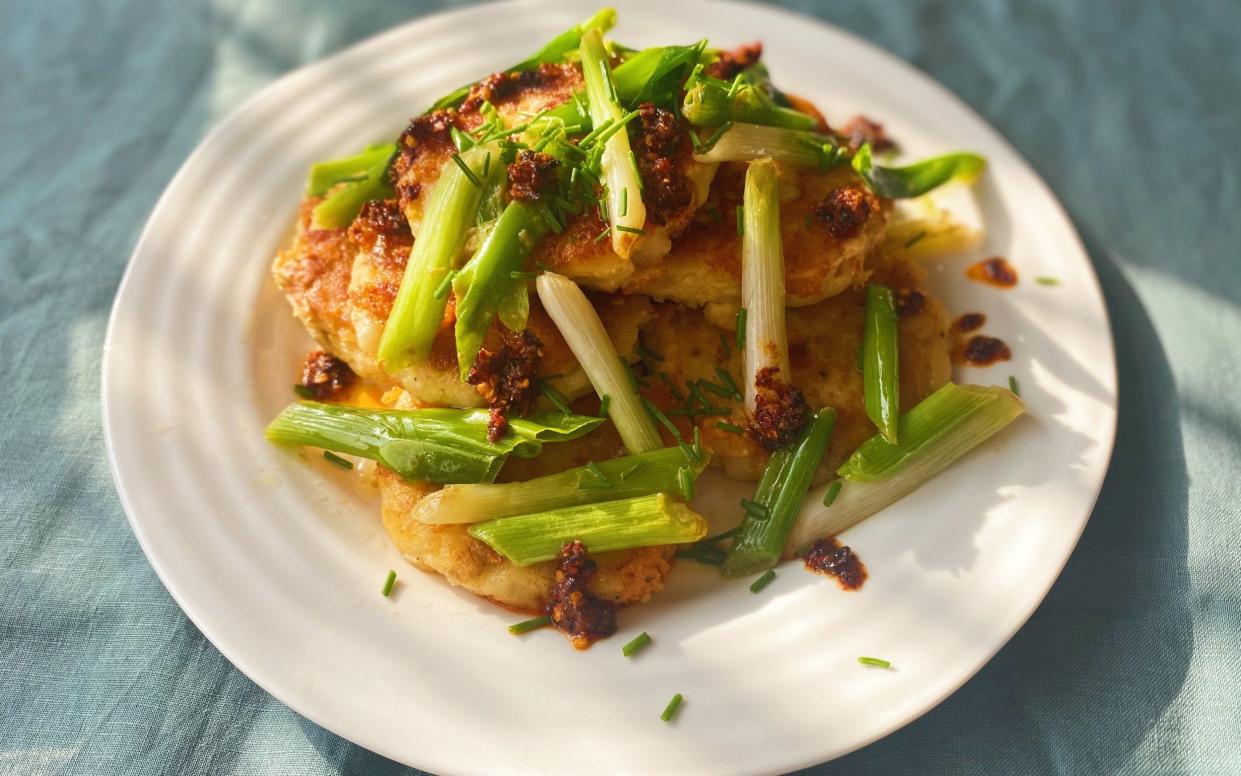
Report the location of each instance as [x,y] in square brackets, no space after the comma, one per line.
[625,576]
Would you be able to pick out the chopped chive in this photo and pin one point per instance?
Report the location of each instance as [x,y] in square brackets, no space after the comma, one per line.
[597,473]
[333,458]
[603,209]
[637,174]
[637,382]
[604,403]
[639,642]
[754,508]
[646,352]
[763,581]
[731,428]
[859,358]
[599,237]
[670,710]
[525,626]
[741,329]
[672,387]
[624,202]
[727,380]
[629,229]
[632,470]
[877,662]
[441,290]
[740,219]
[718,390]
[522,275]
[659,415]
[912,241]
[713,411]
[1047,281]
[303,391]
[558,399]
[721,536]
[686,476]
[706,554]
[710,142]
[1013,385]
[833,491]
[725,346]
[465,170]
[389,583]
[486,164]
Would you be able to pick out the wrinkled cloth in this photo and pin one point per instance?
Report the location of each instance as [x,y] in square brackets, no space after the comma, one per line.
[1130,111]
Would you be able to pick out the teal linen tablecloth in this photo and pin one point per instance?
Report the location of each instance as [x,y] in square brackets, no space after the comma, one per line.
[1130,110]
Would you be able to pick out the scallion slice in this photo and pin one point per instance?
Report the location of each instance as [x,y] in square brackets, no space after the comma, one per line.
[389,583]
[880,365]
[416,314]
[619,175]
[670,710]
[579,324]
[763,581]
[525,626]
[760,540]
[877,662]
[603,527]
[762,280]
[934,433]
[743,142]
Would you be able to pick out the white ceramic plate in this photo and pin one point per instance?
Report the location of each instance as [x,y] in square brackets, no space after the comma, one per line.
[279,560]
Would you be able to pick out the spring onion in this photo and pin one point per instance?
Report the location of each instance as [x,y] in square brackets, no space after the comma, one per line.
[880,365]
[636,645]
[731,428]
[579,324]
[763,581]
[325,175]
[342,205]
[619,174]
[610,525]
[389,583]
[525,626]
[933,434]
[760,540]
[762,279]
[833,491]
[487,278]
[552,51]
[336,460]
[670,710]
[709,103]
[438,445]
[877,662]
[743,142]
[416,314]
[916,179]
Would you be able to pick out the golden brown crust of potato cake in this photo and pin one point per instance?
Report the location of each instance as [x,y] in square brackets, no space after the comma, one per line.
[341,284]
[830,224]
[625,576]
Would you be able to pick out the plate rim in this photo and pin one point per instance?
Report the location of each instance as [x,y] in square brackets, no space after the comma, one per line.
[924,81]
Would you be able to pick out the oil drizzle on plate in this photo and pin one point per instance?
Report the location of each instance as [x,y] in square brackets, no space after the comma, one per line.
[995,271]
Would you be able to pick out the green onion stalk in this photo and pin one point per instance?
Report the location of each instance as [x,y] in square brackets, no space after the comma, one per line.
[349,184]
[743,142]
[603,527]
[919,178]
[880,361]
[760,540]
[418,310]
[581,328]
[435,445]
[626,213]
[709,103]
[934,433]
[486,281]
[655,472]
[553,51]
[762,279]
